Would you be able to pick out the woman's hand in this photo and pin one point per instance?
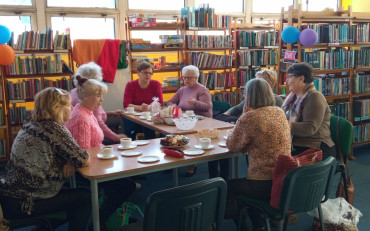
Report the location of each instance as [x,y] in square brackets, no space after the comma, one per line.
[144,107]
[120,136]
[192,101]
[68,170]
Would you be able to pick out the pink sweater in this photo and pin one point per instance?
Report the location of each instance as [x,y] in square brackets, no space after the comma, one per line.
[136,95]
[203,106]
[100,115]
[84,128]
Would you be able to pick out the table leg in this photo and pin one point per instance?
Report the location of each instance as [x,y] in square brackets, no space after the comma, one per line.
[175,176]
[236,166]
[95,204]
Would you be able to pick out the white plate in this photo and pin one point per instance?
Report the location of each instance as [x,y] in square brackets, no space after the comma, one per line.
[137,113]
[101,156]
[222,144]
[131,153]
[225,137]
[132,145]
[148,159]
[149,119]
[207,148]
[193,152]
[143,118]
[141,142]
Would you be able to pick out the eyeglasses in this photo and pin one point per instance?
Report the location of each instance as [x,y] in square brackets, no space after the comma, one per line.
[146,73]
[188,77]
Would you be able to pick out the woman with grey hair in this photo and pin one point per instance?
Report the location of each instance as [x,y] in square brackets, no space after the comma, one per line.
[94,71]
[262,131]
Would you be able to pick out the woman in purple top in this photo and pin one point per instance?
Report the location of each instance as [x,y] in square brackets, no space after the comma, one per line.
[193,96]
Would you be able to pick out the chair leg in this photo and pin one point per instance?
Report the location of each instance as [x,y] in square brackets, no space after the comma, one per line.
[242,218]
[343,174]
[268,226]
[321,218]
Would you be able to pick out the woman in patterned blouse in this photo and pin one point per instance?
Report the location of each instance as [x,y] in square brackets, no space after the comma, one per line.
[262,131]
[42,155]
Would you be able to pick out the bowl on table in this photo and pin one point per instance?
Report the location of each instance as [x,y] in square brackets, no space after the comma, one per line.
[185,123]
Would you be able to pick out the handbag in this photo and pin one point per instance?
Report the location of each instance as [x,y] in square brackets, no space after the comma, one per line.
[121,216]
[350,186]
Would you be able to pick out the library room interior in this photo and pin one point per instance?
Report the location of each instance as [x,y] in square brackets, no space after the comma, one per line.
[184,115]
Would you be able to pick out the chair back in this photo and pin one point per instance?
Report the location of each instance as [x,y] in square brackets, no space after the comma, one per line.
[342,134]
[193,207]
[305,187]
[221,106]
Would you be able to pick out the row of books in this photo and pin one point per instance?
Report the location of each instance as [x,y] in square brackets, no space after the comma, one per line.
[208,60]
[363,32]
[341,109]
[204,16]
[257,38]
[32,64]
[361,109]
[330,59]
[362,57]
[2,148]
[245,75]
[35,40]
[2,118]
[361,133]
[333,86]
[361,83]
[208,41]
[334,33]
[1,92]
[27,89]
[258,57]
[216,81]
[228,96]
[17,115]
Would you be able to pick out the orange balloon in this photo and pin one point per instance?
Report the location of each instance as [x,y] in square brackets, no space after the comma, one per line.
[6,54]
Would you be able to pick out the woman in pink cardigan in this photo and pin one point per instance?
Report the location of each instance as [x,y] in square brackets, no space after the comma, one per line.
[85,129]
[94,71]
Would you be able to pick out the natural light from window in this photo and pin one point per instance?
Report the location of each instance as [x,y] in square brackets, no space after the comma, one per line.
[270,6]
[319,5]
[156,4]
[16,24]
[83,3]
[16,2]
[223,6]
[84,28]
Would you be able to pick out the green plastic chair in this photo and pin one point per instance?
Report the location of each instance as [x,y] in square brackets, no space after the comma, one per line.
[192,207]
[341,133]
[304,189]
[220,106]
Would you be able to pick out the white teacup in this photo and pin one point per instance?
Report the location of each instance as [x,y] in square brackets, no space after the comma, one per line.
[106,150]
[125,142]
[190,113]
[130,109]
[146,114]
[204,142]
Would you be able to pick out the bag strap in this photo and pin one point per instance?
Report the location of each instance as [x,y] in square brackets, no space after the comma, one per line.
[340,152]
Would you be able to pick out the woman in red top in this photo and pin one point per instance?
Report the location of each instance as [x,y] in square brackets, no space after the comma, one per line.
[139,94]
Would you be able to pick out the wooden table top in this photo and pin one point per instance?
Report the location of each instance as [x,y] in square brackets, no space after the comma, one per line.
[205,123]
[119,165]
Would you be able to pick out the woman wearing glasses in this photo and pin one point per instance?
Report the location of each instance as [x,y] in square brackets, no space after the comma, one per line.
[139,94]
[42,155]
[235,112]
[193,96]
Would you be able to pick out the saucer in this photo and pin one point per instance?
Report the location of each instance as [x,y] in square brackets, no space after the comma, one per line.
[222,144]
[207,148]
[141,142]
[149,119]
[131,153]
[193,152]
[143,118]
[225,137]
[130,113]
[132,145]
[137,113]
[105,157]
[148,159]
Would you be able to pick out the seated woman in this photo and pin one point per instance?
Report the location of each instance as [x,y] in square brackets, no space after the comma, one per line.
[308,112]
[94,71]
[42,155]
[262,131]
[193,96]
[85,128]
[233,114]
[139,94]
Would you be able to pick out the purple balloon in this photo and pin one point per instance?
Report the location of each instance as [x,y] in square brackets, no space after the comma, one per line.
[308,37]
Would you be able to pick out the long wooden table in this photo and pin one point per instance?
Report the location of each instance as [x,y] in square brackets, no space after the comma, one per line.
[120,167]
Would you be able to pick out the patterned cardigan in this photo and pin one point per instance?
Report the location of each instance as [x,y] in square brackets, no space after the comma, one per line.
[35,169]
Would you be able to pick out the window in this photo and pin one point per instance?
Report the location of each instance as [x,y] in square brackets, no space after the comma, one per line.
[85,28]
[319,5]
[16,2]
[222,6]
[16,24]
[270,6]
[156,4]
[83,3]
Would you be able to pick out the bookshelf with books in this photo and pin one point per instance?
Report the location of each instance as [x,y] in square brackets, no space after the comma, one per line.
[340,61]
[166,56]
[33,70]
